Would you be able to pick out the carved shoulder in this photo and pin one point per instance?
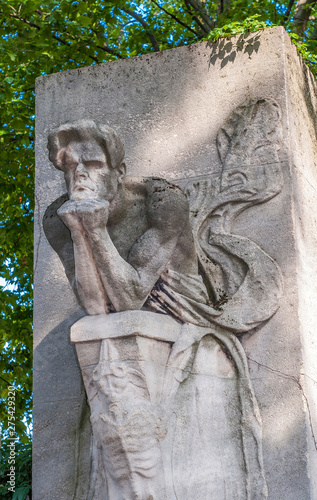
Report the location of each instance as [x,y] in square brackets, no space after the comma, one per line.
[168,207]
[55,230]
[59,237]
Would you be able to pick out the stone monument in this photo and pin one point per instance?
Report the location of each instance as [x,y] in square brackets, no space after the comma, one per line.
[173,314]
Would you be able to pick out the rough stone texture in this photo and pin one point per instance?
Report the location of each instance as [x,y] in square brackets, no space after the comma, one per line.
[169,108]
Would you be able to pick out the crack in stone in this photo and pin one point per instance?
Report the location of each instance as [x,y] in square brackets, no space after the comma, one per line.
[304,176]
[299,385]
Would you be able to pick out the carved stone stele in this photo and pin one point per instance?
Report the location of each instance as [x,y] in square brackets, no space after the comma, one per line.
[170,325]
[167,287]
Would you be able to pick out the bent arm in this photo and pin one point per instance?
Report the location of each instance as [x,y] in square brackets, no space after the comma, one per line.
[85,280]
[128,284]
[88,283]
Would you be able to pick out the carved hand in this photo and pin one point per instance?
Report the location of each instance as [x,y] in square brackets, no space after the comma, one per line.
[68,213]
[89,213]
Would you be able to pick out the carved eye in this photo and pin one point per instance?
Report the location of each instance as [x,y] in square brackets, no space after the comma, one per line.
[69,165]
[94,164]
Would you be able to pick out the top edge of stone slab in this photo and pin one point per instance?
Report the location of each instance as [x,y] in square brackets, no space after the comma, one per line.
[278,31]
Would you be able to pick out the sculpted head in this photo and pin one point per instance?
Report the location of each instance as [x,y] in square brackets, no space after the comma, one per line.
[91,156]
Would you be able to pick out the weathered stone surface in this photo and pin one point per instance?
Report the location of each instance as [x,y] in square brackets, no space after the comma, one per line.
[156,273]
[238,137]
[130,322]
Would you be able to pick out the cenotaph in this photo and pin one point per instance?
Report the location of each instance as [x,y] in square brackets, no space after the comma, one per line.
[176,276]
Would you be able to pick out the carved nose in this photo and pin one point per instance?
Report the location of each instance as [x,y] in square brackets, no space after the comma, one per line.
[81,171]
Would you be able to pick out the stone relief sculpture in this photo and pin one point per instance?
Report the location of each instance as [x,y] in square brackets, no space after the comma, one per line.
[168,289]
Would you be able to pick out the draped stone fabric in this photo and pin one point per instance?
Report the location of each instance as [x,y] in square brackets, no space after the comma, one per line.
[185,298]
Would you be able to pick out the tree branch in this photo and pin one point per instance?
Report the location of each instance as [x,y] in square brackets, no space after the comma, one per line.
[109,50]
[222,6]
[204,21]
[36,26]
[145,25]
[26,21]
[179,21]
[301,16]
[4,380]
[289,8]
[105,47]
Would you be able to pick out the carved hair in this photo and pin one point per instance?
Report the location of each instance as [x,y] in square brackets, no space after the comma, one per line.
[85,130]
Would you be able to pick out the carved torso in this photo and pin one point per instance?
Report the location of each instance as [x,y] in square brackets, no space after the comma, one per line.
[144,204]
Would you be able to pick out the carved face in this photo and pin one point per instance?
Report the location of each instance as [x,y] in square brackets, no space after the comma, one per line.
[87,173]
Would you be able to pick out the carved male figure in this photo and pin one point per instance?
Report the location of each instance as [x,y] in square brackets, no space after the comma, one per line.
[125,234]
[129,239]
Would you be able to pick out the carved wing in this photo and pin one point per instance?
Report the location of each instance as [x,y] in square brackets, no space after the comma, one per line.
[242,280]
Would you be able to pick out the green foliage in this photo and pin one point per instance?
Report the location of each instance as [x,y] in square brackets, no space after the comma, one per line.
[307,49]
[42,37]
[248,25]
[23,469]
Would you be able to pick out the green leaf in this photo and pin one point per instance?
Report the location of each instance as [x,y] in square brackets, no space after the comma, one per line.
[21,493]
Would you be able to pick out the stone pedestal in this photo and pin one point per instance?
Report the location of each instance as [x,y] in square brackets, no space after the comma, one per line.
[198,116]
[123,371]
[153,423]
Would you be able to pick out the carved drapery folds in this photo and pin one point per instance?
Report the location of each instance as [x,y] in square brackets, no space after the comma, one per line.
[167,381]
[237,272]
